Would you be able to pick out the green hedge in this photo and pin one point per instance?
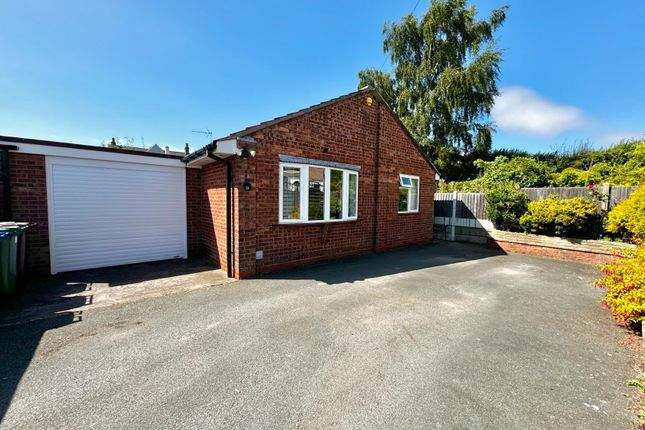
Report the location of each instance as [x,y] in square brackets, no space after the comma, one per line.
[576,217]
[505,204]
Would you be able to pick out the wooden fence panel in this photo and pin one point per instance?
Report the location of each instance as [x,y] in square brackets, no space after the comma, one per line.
[443,204]
[561,192]
[618,194]
[473,205]
[469,205]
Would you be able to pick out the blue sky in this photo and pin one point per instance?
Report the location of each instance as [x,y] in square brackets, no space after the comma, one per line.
[83,72]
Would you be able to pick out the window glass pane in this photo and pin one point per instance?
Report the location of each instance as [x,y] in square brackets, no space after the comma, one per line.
[353,189]
[403,199]
[414,195]
[336,194]
[291,193]
[316,193]
[405,181]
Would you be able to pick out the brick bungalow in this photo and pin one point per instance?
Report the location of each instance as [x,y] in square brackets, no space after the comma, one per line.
[340,178]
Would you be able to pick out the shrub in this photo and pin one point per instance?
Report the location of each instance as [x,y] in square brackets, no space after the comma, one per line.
[505,204]
[569,177]
[628,177]
[572,177]
[628,217]
[523,171]
[473,186]
[624,280]
[576,217]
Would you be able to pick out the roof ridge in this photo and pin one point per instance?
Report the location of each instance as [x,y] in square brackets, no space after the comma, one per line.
[294,114]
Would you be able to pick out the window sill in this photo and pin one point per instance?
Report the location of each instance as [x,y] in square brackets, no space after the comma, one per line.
[336,221]
[408,212]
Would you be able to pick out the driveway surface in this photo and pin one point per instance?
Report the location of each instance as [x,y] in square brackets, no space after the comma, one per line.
[82,290]
[443,336]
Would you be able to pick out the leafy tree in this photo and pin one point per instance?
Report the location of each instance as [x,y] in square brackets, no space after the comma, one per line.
[522,171]
[444,81]
[569,177]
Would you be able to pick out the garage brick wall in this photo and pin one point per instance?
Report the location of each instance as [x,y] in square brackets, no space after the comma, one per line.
[194,212]
[346,132]
[213,213]
[29,203]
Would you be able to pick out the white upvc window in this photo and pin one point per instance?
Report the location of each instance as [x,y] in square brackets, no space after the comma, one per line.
[312,194]
[408,194]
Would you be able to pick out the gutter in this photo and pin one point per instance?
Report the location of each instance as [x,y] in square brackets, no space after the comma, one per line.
[216,151]
[229,197]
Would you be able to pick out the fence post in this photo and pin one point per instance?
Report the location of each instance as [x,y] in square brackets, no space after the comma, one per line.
[605,190]
[453,220]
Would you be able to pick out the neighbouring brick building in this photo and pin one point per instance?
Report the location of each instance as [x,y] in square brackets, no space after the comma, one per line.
[340,178]
[29,195]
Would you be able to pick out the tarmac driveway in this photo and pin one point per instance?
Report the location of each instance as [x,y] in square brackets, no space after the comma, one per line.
[443,336]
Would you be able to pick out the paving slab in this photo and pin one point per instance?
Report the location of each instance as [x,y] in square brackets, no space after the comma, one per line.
[76,292]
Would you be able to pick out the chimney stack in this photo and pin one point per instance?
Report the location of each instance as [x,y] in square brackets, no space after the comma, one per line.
[167,151]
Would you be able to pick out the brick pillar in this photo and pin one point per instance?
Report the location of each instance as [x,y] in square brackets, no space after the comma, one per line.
[244,219]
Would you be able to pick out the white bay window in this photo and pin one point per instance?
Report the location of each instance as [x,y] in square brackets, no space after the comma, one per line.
[311,193]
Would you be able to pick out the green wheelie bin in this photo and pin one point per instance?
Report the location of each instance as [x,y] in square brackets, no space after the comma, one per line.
[8,262]
[12,255]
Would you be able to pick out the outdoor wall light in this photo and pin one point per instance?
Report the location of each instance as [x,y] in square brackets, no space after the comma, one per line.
[369,101]
[245,154]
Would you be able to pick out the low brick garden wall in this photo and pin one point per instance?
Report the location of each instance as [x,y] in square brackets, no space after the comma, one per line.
[588,251]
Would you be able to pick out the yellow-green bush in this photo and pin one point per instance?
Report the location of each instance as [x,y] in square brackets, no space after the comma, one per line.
[570,177]
[576,217]
[624,280]
[628,217]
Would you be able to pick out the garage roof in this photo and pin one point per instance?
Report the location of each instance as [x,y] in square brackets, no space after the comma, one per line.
[25,140]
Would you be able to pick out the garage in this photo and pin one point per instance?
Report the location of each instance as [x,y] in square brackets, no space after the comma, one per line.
[96,207]
[106,213]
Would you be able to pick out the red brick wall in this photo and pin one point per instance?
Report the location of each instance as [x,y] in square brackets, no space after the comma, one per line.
[29,203]
[194,212]
[245,217]
[346,132]
[213,212]
[560,254]
[398,155]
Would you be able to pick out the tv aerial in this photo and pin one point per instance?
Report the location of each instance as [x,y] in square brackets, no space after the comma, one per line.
[207,133]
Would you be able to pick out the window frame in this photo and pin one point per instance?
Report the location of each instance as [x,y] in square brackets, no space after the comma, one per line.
[304,194]
[409,188]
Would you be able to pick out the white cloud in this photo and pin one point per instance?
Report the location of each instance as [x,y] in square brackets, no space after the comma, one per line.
[616,136]
[524,111]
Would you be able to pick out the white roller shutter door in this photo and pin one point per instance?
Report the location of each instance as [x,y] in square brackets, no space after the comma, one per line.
[108,213]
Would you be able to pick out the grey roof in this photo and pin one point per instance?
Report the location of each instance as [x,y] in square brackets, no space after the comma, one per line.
[156,149]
